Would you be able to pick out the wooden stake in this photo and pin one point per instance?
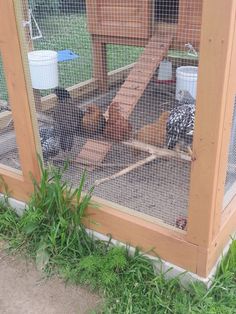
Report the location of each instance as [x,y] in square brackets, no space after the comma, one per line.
[159,152]
[127,170]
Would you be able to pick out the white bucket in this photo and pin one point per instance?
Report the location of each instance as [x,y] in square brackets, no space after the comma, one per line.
[186,79]
[43,69]
[165,71]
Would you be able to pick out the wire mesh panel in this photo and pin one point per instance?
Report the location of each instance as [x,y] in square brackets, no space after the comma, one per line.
[230,184]
[131,129]
[61,26]
[8,147]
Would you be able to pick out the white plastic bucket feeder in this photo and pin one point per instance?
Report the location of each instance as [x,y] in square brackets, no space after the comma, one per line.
[43,69]
[186,79]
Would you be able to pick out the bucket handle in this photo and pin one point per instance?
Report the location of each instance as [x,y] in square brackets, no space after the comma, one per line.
[191,50]
[29,23]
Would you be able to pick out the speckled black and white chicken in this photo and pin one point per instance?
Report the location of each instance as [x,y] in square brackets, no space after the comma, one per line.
[180,124]
[49,142]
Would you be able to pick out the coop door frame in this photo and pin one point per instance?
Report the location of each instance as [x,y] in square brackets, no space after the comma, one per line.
[19,183]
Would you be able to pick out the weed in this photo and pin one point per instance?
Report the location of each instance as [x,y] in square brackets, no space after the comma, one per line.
[51,231]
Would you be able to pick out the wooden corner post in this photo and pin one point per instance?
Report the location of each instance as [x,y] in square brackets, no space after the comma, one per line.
[215,99]
[20,183]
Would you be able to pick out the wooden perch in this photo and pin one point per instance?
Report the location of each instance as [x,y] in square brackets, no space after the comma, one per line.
[126,170]
[155,153]
[159,152]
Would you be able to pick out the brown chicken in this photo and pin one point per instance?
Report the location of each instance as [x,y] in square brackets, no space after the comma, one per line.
[154,133]
[117,128]
[93,120]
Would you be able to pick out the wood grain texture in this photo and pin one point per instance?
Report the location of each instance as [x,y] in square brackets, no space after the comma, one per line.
[166,243]
[16,185]
[130,19]
[213,97]
[208,257]
[18,95]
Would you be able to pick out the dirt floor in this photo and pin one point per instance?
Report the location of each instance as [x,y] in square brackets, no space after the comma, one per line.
[24,291]
[160,188]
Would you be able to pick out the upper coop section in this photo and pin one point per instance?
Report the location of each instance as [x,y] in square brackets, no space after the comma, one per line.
[139,18]
[132,18]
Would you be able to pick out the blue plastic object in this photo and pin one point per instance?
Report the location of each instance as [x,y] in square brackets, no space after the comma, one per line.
[66,55]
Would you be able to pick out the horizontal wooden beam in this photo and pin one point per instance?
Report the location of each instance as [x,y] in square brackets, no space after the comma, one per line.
[80,90]
[157,239]
[19,188]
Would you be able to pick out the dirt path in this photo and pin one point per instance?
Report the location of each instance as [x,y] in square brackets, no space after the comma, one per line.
[23,291]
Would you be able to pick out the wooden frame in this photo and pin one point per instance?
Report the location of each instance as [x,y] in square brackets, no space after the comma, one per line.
[208,230]
[19,183]
[211,140]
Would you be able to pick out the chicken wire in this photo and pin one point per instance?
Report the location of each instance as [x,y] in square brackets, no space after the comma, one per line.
[8,147]
[159,187]
[230,182]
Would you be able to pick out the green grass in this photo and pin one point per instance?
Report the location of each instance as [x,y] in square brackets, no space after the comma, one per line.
[52,233]
[70,32]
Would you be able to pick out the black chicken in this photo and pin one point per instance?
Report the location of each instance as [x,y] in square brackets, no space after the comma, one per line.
[68,119]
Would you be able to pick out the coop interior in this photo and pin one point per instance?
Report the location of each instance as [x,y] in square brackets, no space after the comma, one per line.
[115,86]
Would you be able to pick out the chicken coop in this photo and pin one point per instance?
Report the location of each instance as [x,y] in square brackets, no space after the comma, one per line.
[139,93]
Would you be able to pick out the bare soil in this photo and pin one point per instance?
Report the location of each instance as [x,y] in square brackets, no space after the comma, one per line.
[23,290]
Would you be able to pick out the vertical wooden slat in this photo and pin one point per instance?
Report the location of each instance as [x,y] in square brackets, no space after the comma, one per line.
[92,21]
[100,63]
[17,89]
[210,140]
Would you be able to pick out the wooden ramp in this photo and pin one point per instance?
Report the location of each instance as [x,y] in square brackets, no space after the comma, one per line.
[130,92]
